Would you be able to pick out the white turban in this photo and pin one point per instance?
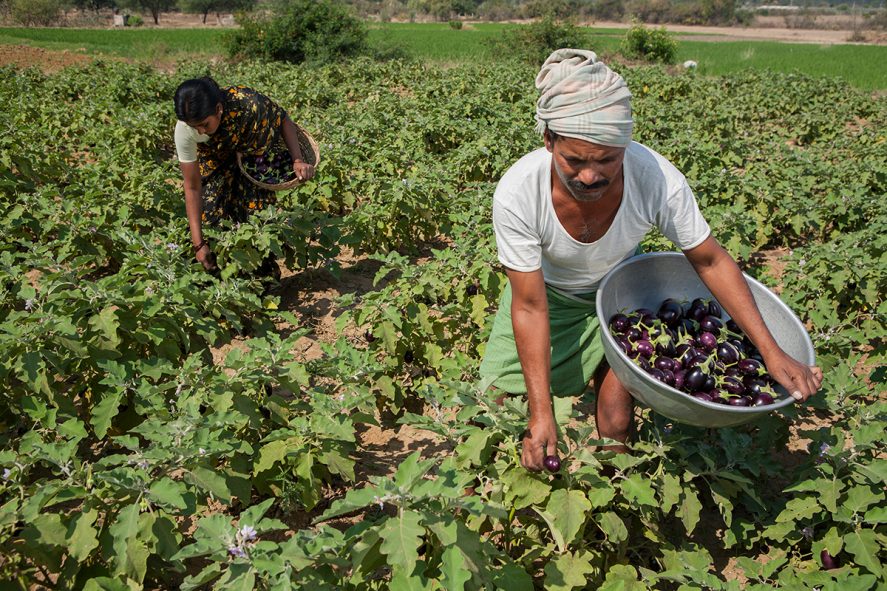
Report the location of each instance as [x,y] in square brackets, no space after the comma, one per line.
[583,98]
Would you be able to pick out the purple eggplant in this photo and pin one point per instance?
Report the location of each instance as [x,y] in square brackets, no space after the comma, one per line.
[762,399]
[750,367]
[707,341]
[619,323]
[664,363]
[644,348]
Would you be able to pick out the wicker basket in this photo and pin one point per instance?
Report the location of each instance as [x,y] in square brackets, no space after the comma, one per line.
[310,153]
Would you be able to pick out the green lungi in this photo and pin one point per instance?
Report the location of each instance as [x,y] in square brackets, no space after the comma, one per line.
[576,347]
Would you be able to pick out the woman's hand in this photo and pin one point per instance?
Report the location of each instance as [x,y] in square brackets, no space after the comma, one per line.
[303,170]
[206,258]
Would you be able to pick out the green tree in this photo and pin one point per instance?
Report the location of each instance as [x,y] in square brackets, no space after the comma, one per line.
[155,7]
[204,7]
[93,5]
[533,43]
[35,13]
[657,45]
[299,31]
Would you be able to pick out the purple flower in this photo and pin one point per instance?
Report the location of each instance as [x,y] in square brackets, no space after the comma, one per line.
[172,246]
[236,551]
[29,304]
[807,532]
[248,533]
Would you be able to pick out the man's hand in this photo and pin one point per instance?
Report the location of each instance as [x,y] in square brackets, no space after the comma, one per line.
[800,380]
[303,170]
[540,440]
[206,258]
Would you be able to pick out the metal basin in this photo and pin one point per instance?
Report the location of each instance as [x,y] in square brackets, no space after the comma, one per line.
[643,282]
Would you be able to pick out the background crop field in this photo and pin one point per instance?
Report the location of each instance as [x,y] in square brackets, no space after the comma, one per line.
[859,65]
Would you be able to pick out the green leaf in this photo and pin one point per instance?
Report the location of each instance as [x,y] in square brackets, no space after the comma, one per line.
[876,515]
[568,571]
[555,532]
[563,409]
[479,306]
[833,541]
[72,429]
[309,489]
[401,581]
[859,498]
[105,584]
[50,528]
[622,577]
[270,454]
[253,514]
[388,334]
[569,508]
[412,470]
[689,510]
[798,510]
[210,573]
[523,488]
[864,546]
[512,578]
[354,499]
[600,494]
[613,526]
[167,491]
[401,537]
[104,412]
[454,571]
[670,492]
[637,488]
[82,536]
[123,530]
[829,492]
[106,324]
[876,471]
[338,464]
[469,451]
[210,481]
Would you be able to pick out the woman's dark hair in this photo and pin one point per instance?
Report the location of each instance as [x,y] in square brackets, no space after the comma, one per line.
[196,99]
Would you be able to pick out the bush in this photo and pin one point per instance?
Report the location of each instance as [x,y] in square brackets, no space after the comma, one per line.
[316,31]
[35,13]
[656,45]
[533,43]
[454,24]
[135,20]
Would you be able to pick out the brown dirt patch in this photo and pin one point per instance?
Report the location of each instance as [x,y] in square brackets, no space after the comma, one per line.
[25,56]
[828,32]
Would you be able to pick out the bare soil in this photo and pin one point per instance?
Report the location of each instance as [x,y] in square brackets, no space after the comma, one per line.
[48,60]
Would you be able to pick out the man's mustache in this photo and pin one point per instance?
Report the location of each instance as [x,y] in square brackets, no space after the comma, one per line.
[580,186]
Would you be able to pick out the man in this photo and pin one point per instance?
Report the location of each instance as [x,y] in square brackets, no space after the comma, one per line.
[566,214]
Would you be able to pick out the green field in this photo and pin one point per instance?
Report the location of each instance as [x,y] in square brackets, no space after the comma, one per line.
[127,43]
[860,65]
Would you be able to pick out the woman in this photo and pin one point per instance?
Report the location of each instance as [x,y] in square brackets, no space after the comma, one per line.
[214,125]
